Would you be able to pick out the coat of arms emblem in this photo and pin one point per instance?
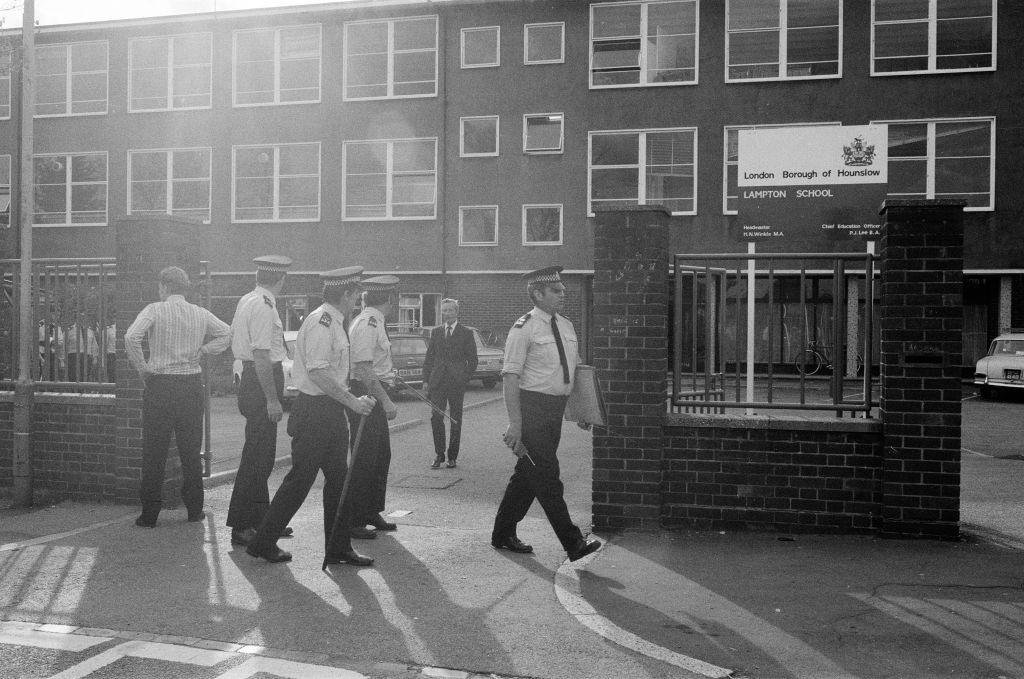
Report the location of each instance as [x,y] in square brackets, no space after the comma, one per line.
[857,153]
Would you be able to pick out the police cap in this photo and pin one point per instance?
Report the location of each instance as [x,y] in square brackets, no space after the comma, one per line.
[548,274]
[275,263]
[344,276]
[385,283]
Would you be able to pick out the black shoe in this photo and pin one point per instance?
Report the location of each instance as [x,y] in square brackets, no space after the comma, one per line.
[242,536]
[287,532]
[362,533]
[582,548]
[349,557]
[436,464]
[378,522]
[196,516]
[271,554]
[451,464]
[146,521]
[512,544]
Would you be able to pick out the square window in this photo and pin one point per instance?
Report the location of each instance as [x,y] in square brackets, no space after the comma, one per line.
[390,59]
[543,133]
[479,136]
[276,183]
[643,44]
[542,225]
[932,36]
[783,39]
[277,66]
[481,47]
[478,225]
[544,43]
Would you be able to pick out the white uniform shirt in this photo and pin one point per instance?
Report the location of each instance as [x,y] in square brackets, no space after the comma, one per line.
[370,342]
[531,353]
[321,344]
[257,325]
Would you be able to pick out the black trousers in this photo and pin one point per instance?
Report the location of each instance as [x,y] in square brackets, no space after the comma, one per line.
[370,471]
[542,431]
[447,395]
[319,429]
[172,404]
[250,496]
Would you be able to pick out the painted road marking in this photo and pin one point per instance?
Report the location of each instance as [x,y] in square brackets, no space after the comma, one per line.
[29,634]
[287,669]
[12,546]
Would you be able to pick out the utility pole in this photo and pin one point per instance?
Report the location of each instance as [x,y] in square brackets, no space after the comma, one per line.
[24,387]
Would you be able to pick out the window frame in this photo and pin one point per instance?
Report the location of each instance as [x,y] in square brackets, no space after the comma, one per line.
[497,221]
[526,43]
[561,224]
[725,152]
[642,164]
[389,181]
[170,72]
[390,82]
[932,55]
[8,47]
[643,40]
[276,31]
[69,82]
[930,154]
[497,46]
[68,185]
[5,214]
[783,32]
[497,137]
[276,178]
[169,181]
[544,151]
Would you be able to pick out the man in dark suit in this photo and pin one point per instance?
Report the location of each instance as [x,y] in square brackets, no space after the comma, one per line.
[450,362]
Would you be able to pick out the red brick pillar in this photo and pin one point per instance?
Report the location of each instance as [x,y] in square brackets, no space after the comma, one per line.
[144,247]
[630,317]
[921,318]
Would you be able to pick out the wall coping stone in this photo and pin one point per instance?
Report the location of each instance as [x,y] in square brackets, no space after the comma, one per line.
[52,397]
[774,422]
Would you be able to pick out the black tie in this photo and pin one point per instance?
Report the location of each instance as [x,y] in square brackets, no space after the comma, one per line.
[448,336]
[561,350]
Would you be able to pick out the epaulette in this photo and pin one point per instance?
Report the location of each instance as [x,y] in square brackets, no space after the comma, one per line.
[269,302]
[325,320]
[372,321]
[522,321]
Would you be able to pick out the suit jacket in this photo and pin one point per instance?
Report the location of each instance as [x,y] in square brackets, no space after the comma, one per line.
[450,362]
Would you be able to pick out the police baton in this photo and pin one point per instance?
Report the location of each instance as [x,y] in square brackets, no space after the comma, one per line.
[344,487]
[405,385]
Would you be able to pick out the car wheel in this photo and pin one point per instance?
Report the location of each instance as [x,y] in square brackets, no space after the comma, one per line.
[489,382]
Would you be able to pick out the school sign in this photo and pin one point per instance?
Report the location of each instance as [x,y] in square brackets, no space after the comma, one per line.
[811,183]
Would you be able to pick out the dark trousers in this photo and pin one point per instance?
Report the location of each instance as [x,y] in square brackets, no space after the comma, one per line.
[542,431]
[447,395]
[319,430]
[172,403]
[370,471]
[250,497]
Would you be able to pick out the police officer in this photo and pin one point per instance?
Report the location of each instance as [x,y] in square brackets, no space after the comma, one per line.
[541,354]
[318,425]
[372,369]
[257,339]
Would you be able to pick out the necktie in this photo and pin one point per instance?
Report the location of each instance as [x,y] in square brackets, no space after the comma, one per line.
[561,350]
[448,333]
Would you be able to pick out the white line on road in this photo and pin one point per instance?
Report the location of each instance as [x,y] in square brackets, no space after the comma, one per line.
[287,669]
[12,546]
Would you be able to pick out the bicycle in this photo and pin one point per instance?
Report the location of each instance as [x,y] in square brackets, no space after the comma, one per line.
[810,360]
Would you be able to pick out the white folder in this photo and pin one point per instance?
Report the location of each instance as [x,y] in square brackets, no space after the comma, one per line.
[586,402]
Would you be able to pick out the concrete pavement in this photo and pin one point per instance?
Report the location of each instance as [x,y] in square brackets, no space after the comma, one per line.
[440,600]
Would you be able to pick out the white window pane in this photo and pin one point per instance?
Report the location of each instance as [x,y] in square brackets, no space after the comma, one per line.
[543,224]
[479,224]
[544,43]
[89,201]
[148,165]
[89,168]
[255,81]
[615,149]
[413,34]
[480,136]
[366,158]
[900,10]
[257,46]
[897,40]
[367,38]
[254,162]
[300,43]
[149,53]
[191,195]
[51,60]
[417,69]
[49,170]
[413,155]
[191,164]
[480,46]
[149,196]
[50,204]
[88,89]
[90,56]
[966,138]
[254,193]
[615,20]
[192,49]
[365,190]
[413,189]
[149,89]
[615,184]
[544,133]
[808,13]
[753,14]
[671,59]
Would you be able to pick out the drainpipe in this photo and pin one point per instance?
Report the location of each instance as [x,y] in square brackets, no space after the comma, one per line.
[442,174]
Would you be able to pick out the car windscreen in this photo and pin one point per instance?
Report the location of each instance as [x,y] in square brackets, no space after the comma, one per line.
[1014,347]
[408,345]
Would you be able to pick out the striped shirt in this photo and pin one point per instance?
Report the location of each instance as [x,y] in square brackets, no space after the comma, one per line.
[177,331]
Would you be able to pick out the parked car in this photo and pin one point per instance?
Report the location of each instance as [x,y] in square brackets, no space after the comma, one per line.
[1003,367]
[290,391]
[408,352]
[489,358]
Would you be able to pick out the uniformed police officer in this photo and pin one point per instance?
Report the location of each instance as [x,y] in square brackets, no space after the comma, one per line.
[257,339]
[372,368]
[318,424]
[541,354]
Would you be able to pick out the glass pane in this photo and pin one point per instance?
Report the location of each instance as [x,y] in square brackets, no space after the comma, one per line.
[962,175]
[751,14]
[413,34]
[413,210]
[670,55]
[543,224]
[149,89]
[89,199]
[254,162]
[900,10]
[51,92]
[50,204]
[479,225]
[813,45]
[480,46]
[908,177]
[617,54]
[91,56]
[300,43]
[544,43]
[615,184]
[413,188]
[300,192]
[150,53]
[301,75]
[191,164]
[544,133]
[300,159]
[910,140]
[615,20]
[49,170]
[415,67]
[191,195]
[148,165]
[413,155]
[366,71]
[802,13]
[969,138]
[192,80]
[149,196]
[88,88]
[366,158]
[254,46]
[365,190]
[761,47]
[615,149]
[192,49]
[901,40]
[254,193]
[369,38]
[972,36]
[256,78]
[480,136]
[946,9]
[89,168]
[51,60]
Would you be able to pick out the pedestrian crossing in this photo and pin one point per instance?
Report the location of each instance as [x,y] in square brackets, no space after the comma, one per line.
[81,653]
